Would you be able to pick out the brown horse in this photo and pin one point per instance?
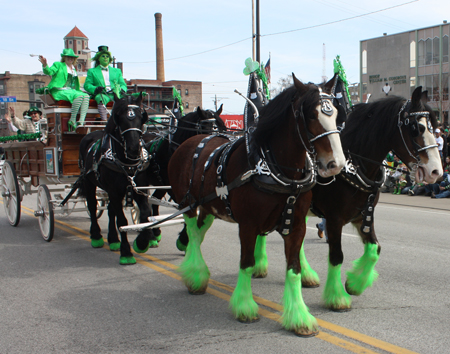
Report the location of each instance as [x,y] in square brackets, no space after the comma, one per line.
[371,131]
[262,195]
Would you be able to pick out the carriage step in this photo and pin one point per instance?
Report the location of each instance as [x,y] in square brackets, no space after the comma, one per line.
[153,219]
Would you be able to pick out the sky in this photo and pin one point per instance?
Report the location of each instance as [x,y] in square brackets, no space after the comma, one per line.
[208,41]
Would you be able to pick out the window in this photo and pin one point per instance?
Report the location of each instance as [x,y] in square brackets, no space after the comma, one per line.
[435,50]
[186,92]
[70,42]
[186,104]
[364,62]
[412,54]
[31,88]
[79,66]
[179,91]
[2,89]
[79,42]
[421,52]
[428,51]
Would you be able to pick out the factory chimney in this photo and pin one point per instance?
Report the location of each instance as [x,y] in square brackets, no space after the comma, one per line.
[159,48]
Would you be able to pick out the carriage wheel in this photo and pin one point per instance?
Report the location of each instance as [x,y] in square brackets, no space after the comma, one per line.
[11,193]
[100,203]
[45,213]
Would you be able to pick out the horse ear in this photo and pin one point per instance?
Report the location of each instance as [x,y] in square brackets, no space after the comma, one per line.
[219,111]
[299,85]
[201,113]
[116,98]
[330,84]
[139,100]
[144,116]
[417,96]
[424,96]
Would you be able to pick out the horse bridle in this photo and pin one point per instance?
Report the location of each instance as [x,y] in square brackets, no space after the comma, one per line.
[131,115]
[326,109]
[414,129]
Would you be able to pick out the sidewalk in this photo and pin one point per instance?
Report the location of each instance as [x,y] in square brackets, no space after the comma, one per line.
[415,201]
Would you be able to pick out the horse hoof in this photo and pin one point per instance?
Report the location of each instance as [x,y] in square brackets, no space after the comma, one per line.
[180,246]
[158,237]
[306,332]
[97,243]
[127,260]
[138,250]
[198,291]
[259,275]
[115,246]
[246,319]
[343,309]
[349,290]
[153,244]
[310,286]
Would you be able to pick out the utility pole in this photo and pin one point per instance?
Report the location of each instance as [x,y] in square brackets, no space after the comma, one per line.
[258,34]
[253,30]
[324,70]
[217,100]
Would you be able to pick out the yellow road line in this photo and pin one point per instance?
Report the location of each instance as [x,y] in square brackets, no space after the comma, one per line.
[376,343]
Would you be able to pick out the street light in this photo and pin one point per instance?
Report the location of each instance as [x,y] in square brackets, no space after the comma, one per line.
[87,50]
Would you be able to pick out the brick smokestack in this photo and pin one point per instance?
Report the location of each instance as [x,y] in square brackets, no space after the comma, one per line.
[159,48]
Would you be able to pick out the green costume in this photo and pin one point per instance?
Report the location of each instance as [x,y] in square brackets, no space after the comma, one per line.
[66,86]
[95,82]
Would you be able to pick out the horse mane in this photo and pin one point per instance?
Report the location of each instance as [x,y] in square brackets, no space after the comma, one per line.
[372,126]
[277,112]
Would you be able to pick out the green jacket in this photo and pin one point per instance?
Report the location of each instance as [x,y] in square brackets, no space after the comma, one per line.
[58,72]
[95,79]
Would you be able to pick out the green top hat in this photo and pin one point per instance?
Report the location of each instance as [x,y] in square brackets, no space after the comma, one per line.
[102,49]
[35,109]
[68,52]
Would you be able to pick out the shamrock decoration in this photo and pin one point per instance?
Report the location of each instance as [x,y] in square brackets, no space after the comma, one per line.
[250,66]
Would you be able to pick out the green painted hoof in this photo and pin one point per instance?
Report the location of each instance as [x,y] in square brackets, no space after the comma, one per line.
[153,244]
[180,246]
[245,319]
[97,243]
[127,260]
[350,291]
[260,274]
[306,333]
[115,246]
[158,238]
[137,250]
[310,284]
[201,291]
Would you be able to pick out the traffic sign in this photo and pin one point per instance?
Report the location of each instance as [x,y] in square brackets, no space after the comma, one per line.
[8,99]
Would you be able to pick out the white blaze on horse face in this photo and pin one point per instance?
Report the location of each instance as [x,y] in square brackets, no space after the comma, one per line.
[333,163]
[430,170]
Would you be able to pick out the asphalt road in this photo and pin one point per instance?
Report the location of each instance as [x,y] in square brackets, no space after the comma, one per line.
[66,297]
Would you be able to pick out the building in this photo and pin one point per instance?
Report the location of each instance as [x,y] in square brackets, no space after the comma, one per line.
[23,87]
[77,41]
[160,93]
[397,64]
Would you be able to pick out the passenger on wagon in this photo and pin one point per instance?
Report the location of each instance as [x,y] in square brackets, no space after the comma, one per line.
[103,78]
[29,124]
[66,86]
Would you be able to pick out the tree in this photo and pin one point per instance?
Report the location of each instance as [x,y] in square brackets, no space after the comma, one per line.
[283,83]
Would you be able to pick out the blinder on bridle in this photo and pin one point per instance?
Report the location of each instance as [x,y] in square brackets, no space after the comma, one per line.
[326,108]
[411,121]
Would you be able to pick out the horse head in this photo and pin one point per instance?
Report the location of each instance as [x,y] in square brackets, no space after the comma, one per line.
[418,148]
[210,121]
[125,124]
[315,107]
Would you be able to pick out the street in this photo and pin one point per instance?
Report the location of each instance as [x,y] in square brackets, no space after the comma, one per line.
[66,297]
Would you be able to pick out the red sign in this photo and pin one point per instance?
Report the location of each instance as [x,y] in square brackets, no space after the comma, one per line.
[233,121]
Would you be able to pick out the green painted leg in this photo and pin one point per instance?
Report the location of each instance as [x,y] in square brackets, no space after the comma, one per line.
[193,269]
[127,260]
[334,294]
[115,246]
[310,279]
[97,243]
[261,263]
[363,273]
[137,250]
[244,308]
[296,316]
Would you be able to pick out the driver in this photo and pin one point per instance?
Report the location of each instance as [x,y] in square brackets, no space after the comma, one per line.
[102,78]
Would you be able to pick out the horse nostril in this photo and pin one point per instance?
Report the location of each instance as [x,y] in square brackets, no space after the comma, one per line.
[331,165]
[435,173]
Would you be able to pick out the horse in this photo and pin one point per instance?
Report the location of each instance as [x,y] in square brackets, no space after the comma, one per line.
[161,147]
[371,131]
[110,159]
[298,122]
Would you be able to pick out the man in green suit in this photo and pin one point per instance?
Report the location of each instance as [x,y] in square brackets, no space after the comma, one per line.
[103,78]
